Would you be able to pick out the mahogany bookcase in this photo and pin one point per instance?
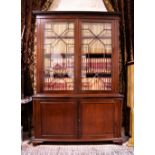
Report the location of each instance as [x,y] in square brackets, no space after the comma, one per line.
[77,95]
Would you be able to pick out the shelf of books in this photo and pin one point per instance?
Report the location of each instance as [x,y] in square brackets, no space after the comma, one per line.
[96,56]
[59,56]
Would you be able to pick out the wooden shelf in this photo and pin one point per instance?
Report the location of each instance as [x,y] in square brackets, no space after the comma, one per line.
[58,55]
[97,75]
[97,55]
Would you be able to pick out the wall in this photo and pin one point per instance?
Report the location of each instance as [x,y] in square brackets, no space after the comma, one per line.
[77,5]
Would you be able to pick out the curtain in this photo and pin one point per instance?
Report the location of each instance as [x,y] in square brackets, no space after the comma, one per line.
[27,41]
[108,5]
[126,8]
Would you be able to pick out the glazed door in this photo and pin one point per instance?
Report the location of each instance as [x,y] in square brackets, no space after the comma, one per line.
[97,55]
[57,55]
[77,55]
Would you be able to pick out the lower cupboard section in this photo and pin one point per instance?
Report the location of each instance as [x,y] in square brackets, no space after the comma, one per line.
[77,120]
[97,119]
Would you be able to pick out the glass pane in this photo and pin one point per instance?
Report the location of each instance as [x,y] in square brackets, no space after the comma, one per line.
[96,56]
[59,56]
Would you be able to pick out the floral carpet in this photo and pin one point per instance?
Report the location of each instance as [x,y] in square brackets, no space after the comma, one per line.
[76,150]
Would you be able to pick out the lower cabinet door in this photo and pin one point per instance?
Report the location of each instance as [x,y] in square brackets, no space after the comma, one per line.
[98,119]
[57,119]
[83,119]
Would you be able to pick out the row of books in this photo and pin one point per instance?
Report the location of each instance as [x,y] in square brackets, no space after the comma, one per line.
[58,55]
[97,27]
[58,42]
[58,84]
[97,46]
[96,65]
[59,75]
[105,49]
[59,27]
[87,84]
[59,65]
[106,33]
[96,83]
[50,34]
[59,45]
[69,50]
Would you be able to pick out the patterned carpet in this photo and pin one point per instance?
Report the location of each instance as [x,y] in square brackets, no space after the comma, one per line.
[76,150]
